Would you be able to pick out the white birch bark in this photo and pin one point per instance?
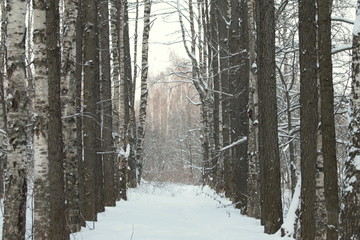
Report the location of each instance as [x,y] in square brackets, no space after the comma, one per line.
[16,100]
[144,89]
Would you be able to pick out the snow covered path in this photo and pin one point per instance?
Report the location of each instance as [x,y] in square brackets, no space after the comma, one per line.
[173,212]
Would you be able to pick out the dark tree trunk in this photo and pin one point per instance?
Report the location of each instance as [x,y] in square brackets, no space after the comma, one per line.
[106,103]
[55,145]
[268,135]
[308,114]
[90,124]
[327,120]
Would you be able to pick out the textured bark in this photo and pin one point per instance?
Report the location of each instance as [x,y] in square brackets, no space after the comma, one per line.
[222,16]
[308,115]
[55,145]
[239,66]
[68,99]
[268,135]
[41,164]
[115,81]
[90,124]
[123,106]
[144,89]
[327,121]
[214,64]
[350,214]
[3,137]
[15,183]
[253,208]
[129,105]
[107,141]
[78,106]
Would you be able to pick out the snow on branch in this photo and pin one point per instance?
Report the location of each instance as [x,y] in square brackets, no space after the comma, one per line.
[242,140]
[341,48]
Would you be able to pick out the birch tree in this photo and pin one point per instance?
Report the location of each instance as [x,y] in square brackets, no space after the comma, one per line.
[144,89]
[16,182]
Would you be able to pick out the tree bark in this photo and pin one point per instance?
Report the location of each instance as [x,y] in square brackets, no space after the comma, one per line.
[41,154]
[70,116]
[268,135]
[328,121]
[16,182]
[351,212]
[90,76]
[309,115]
[144,89]
[55,144]
[106,103]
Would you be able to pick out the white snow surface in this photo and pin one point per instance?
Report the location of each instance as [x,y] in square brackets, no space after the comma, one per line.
[158,211]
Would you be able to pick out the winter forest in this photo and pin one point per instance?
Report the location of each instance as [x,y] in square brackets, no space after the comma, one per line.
[255,103]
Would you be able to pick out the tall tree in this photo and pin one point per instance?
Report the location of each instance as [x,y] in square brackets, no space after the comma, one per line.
[327,120]
[309,115]
[55,151]
[144,90]
[268,135]
[239,66]
[16,182]
[3,139]
[70,116]
[106,103]
[90,123]
[351,212]
[40,141]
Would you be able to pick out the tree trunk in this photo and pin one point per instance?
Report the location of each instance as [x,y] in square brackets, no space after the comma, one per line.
[351,212]
[309,115]
[55,144]
[268,135]
[16,172]
[239,66]
[106,103]
[90,76]
[253,209]
[68,99]
[144,89]
[41,165]
[3,127]
[327,121]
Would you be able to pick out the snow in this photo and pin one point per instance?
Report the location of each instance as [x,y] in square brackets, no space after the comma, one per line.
[157,211]
[356,27]
[357,162]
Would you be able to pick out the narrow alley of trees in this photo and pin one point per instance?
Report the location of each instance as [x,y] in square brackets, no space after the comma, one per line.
[258,110]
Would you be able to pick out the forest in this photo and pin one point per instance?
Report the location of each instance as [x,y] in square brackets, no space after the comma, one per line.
[257,100]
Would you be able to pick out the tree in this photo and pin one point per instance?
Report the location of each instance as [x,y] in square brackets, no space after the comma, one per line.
[16,182]
[70,116]
[309,115]
[144,90]
[327,120]
[271,206]
[351,212]
[90,123]
[106,103]
[55,151]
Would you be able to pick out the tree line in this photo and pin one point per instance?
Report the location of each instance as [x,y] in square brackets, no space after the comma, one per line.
[70,140]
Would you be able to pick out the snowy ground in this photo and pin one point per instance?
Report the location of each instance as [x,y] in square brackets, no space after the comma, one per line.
[176,212]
